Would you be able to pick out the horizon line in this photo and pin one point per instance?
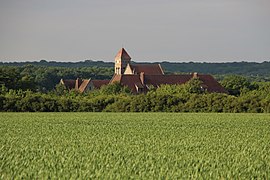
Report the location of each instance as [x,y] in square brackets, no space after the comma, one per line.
[162,61]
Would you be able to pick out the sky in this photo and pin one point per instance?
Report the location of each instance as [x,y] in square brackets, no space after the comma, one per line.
[150,30]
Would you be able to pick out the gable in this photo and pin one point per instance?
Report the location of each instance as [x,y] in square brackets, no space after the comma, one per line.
[128,70]
[80,85]
[98,83]
[122,54]
[133,82]
[157,80]
[68,83]
[211,84]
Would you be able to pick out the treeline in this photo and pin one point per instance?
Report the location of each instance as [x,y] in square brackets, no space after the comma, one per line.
[240,68]
[189,97]
[44,63]
[44,79]
[32,88]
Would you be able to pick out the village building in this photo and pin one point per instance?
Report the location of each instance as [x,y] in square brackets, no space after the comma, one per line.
[139,78]
[83,85]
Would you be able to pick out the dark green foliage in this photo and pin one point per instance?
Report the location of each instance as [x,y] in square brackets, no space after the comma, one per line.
[235,84]
[194,86]
[36,88]
[44,63]
[115,98]
[10,77]
[259,70]
[115,88]
[43,79]
[121,104]
[60,89]
[2,99]
[241,68]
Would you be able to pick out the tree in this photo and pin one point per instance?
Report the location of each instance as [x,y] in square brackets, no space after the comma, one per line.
[194,86]
[60,89]
[115,88]
[234,84]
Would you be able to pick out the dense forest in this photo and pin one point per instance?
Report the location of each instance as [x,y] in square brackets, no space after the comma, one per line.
[35,88]
[43,78]
[240,68]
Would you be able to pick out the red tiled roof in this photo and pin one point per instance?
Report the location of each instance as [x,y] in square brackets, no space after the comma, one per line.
[81,85]
[208,81]
[211,83]
[99,83]
[69,83]
[128,80]
[115,78]
[122,53]
[156,80]
[148,69]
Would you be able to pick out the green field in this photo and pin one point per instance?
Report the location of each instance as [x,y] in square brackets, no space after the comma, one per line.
[134,145]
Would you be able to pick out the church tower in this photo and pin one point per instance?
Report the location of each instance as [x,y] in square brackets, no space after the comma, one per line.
[121,60]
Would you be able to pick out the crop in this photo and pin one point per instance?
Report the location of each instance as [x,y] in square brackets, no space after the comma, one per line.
[134,146]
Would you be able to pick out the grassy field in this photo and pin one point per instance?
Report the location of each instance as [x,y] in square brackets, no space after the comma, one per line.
[134,145]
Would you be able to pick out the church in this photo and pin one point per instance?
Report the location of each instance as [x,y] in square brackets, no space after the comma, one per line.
[140,77]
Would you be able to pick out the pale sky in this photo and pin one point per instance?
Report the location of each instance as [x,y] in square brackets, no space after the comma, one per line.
[150,30]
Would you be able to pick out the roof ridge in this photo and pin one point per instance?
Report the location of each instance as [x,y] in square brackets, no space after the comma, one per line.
[122,53]
[150,64]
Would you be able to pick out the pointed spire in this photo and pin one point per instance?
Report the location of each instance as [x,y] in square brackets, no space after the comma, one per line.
[122,54]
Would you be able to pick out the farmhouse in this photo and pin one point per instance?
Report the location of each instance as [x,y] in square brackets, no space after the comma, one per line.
[140,77]
[83,85]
